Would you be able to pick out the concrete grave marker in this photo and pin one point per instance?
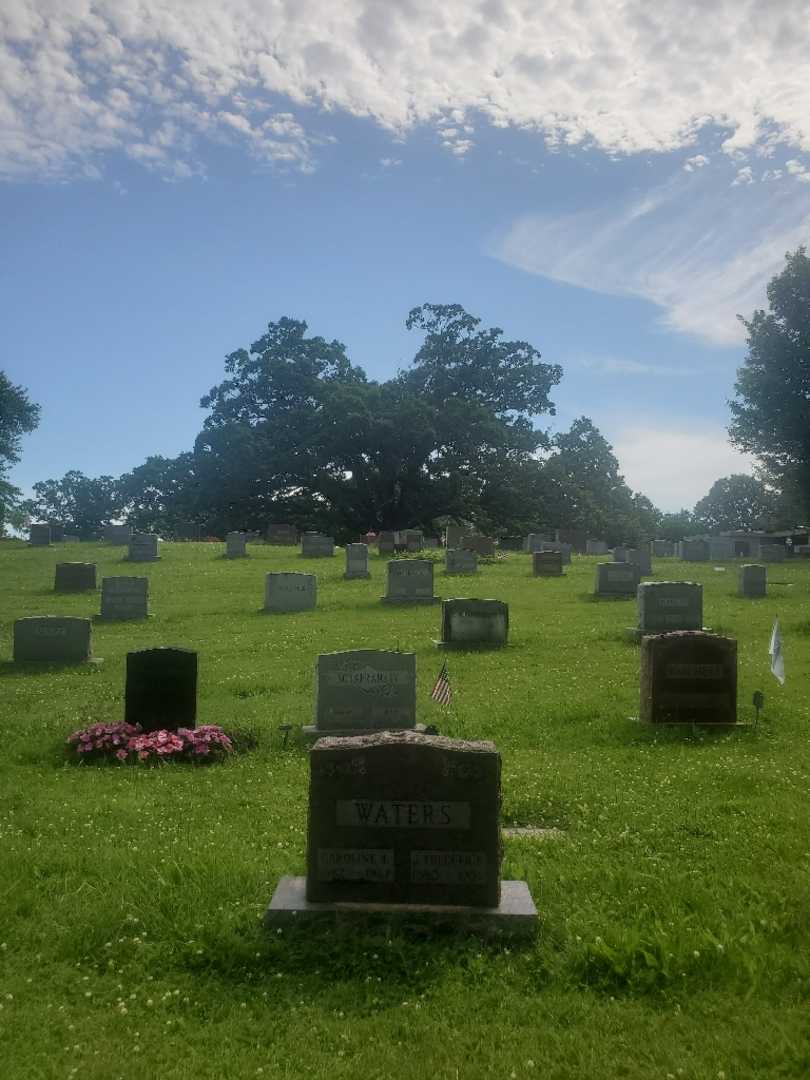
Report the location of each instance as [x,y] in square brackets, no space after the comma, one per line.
[236,545]
[460,561]
[356,562]
[642,559]
[474,622]
[74,577]
[547,564]
[409,581]
[694,550]
[117,534]
[317,546]
[124,598]
[753,581]
[596,547]
[53,639]
[161,689]
[144,547]
[688,677]
[617,579]
[669,605]
[362,690]
[290,591]
[39,535]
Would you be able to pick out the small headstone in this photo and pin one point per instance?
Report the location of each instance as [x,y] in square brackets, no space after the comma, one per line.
[144,547]
[753,581]
[124,598]
[386,543]
[117,534]
[617,579]
[688,677]
[236,545]
[39,535]
[694,550]
[772,553]
[596,547]
[547,564]
[620,554]
[721,548]
[290,591]
[362,690]
[669,605]
[317,546]
[74,576]
[57,532]
[409,581]
[53,639]
[662,549]
[481,545]
[641,559]
[161,689]
[460,561]
[282,534]
[356,561]
[474,622]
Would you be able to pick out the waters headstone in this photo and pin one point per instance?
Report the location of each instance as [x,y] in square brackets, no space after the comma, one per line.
[290,591]
[39,535]
[669,605]
[409,581]
[688,677]
[282,534]
[474,622]
[616,579]
[547,563]
[362,690]
[356,561]
[460,561]
[144,547]
[117,534]
[161,689]
[74,576]
[753,581]
[236,545]
[317,546]
[53,639]
[124,598]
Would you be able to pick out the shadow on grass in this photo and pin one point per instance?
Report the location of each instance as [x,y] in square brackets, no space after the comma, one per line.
[23,668]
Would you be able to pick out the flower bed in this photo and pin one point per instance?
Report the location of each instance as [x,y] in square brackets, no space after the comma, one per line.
[129,742]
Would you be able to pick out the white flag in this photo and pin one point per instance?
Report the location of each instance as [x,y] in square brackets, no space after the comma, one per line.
[775,650]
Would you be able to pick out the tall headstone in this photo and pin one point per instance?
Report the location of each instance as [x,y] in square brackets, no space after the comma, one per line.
[364,690]
[688,677]
[617,579]
[290,591]
[282,534]
[642,559]
[474,622]
[236,545]
[161,689]
[547,564]
[117,534]
[144,547]
[74,576]
[317,546]
[753,581]
[356,562]
[39,535]
[412,539]
[124,598]
[596,547]
[460,561]
[453,535]
[53,639]
[665,606]
[409,581]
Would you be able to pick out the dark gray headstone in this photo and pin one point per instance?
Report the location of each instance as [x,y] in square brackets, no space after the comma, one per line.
[409,581]
[662,549]
[236,545]
[665,606]
[282,534]
[547,563]
[365,689]
[475,622]
[688,678]
[404,818]
[74,576]
[694,550]
[356,561]
[753,580]
[39,535]
[460,561]
[642,559]
[53,639]
[144,547]
[772,553]
[161,689]
[317,546]
[481,545]
[124,598]
[290,591]
[721,547]
[617,579]
[57,532]
[620,554]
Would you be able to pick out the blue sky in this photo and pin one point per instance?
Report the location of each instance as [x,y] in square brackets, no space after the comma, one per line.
[612,183]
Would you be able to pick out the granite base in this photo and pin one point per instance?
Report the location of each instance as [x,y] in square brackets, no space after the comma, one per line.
[311,732]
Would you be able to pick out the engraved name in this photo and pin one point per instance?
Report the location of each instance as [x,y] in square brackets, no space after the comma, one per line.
[375,814]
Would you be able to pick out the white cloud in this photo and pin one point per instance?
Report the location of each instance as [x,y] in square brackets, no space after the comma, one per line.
[744,176]
[612,365]
[80,79]
[696,162]
[676,466]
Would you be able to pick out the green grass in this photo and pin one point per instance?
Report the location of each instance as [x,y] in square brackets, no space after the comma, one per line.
[675,907]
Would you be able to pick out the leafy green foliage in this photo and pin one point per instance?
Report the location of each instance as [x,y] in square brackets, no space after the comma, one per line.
[81,503]
[18,415]
[736,502]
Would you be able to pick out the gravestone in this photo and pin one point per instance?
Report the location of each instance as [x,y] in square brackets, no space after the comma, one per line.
[290,591]
[57,532]
[412,540]
[662,549]
[282,534]
[554,546]
[356,562]
[117,534]
[511,543]
[669,605]
[753,581]
[161,689]
[74,576]
[53,639]
[144,547]
[317,546]
[720,548]
[694,550]
[535,541]
[362,690]
[772,553]
[547,564]
[616,579]
[236,545]
[460,561]
[481,545]
[453,535]
[39,535]
[688,677]
[641,559]
[386,543]
[124,598]
[72,538]
[409,581]
[596,547]
[430,543]
[474,622]
[620,554]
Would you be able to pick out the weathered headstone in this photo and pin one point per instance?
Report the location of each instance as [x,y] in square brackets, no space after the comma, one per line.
[694,550]
[144,547]
[386,543]
[617,579]
[772,553]
[290,591]
[688,677]
[474,622]
[356,562]
[57,532]
[317,546]
[74,576]
[753,581]
[453,535]
[117,534]
[124,598]
[481,545]
[460,561]
[547,563]
[236,545]
[558,548]
[720,548]
[620,554]
[412,539]
[662,549]
[362,690]
[596,547]
[282,534]
[39,535]
[665,606]
[53,639]
[409,581]
[642,559]
[161,689]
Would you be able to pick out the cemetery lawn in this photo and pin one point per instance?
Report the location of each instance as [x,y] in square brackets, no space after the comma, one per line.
[674,891]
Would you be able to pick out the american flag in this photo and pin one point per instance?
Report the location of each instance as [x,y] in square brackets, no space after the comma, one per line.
[441,691]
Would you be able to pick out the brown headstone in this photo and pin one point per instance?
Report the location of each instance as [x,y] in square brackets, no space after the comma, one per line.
[688,677]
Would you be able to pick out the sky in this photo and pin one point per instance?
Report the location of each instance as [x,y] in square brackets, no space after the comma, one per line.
[613,182]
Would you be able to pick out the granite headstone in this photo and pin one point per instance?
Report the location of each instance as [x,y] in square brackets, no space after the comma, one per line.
[161,689]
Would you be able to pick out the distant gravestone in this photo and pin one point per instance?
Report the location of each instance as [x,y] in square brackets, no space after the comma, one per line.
[39,535]
[72,538]
[161,689]
[57,532]
[617,579]
[430,543]
[144,547]
[662,549]
[547,564]
[596,547]
[282,534]
[474,622]
[481,545]
[117,534]
[53,639]
[620,554]
[772,553]
[409,581]
[290,591]
[236,545]
[386,543]
[74,577]
[124,598]
[641,559]
[688,677]
[753,581]
[721,548]
[694,550]
[412,539]
[460,561]
[362,690]
[317,546]
[665,606]
[535,541]
[356,562]
[453,535]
